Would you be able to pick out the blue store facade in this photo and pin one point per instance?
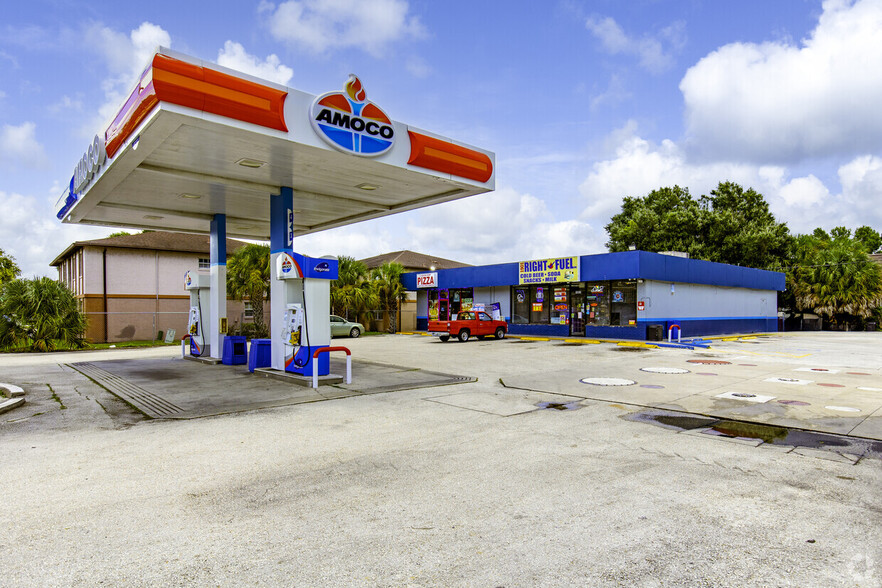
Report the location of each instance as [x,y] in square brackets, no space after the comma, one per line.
[610,295]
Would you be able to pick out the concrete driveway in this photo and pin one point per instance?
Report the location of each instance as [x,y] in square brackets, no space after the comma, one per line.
[511,480]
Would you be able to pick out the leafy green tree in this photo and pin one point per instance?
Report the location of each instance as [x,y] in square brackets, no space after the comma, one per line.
[833,277]
[730,225]
[8,268]
[666,219]
[738,228]
[248,277]
[352,291]
[118,234]
[386,281]
[870,239]
[41,314]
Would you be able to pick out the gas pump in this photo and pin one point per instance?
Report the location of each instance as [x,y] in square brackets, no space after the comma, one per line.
[293,325]
[198,284]
[306,299]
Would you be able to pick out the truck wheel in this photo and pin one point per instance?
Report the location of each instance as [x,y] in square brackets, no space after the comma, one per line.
[500,333]
[464,335]
[354,333]
[444,338]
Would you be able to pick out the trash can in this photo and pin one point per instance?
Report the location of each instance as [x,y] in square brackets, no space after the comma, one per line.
[235,351]
[260,354]
[655,333]
[871,326]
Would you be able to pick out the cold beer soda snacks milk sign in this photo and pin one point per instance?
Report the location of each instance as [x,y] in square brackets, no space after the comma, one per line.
[351,123]
[549,271]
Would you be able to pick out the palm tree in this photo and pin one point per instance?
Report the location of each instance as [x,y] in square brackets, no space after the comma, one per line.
[386,280]
[40,313]
[835,279]
[248,276]
[351,292]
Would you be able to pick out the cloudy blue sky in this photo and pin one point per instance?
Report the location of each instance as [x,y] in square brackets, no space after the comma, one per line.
[583,102]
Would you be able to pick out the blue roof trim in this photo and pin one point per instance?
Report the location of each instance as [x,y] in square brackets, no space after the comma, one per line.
[625,265]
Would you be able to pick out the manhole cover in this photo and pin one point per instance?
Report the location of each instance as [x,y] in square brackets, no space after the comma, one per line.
[858,374]
[651,386]
[631,349]
[709,361]
[843,408]
[570,344]
[788,381]
[828,385]
[608,381]
[794,402]
[705,374]
[746,396]
[664,370]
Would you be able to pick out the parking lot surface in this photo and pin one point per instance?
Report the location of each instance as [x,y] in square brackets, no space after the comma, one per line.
[537,473]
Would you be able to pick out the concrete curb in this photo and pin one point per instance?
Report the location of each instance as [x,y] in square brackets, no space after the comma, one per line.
[11,389]
[11,403]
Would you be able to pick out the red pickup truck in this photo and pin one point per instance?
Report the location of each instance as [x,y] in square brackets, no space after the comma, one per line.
[468,324]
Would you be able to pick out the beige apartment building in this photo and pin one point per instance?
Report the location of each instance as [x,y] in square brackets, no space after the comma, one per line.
[131,287]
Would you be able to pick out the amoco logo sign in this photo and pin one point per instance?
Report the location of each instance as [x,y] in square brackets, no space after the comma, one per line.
[348,121]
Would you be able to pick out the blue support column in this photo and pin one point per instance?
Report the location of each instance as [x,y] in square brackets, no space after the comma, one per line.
[218,292]
[280,204]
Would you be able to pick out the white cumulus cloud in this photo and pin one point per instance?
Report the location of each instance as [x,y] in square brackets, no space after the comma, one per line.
[322,26]
[125,56]
[779,101]
[654,52]
[19,147]
[234,56]
[637,166]
[33,236]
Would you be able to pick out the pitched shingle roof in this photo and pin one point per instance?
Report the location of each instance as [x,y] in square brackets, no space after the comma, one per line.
[154,241]
[412,261]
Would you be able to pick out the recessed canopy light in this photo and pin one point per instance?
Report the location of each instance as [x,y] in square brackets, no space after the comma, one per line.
[367,186]
[152,217]
[191,196]
[252,163]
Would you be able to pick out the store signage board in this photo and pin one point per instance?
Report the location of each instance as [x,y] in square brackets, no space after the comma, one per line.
[429,280]
[549,271]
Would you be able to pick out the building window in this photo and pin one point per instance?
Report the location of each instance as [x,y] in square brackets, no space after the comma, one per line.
[443,304]
[204,263]
[249,310]
[592,304]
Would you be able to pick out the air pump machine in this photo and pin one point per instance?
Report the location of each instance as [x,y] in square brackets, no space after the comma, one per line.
[199,286]
[307,303]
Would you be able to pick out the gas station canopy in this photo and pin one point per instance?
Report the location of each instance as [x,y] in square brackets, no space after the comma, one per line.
[195,140]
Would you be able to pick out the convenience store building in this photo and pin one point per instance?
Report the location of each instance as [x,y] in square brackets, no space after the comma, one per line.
[610,295]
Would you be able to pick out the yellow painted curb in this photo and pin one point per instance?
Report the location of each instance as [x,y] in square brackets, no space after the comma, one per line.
[532,338]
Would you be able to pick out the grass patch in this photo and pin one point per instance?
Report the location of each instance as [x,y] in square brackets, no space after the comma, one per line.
[56,398]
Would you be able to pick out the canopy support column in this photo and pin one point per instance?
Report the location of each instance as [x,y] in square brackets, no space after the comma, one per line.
[281,240]
[217,313]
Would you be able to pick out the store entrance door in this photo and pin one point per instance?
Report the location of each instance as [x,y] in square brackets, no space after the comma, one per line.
[577,311]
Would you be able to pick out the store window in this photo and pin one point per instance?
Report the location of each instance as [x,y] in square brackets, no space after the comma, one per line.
[623,303]
[612,304]
[204,263]
[444,303]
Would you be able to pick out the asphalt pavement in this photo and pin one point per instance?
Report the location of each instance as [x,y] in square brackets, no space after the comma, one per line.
[527,468]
